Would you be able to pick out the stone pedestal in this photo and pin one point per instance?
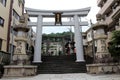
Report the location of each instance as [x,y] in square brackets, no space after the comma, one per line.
[103,68]
[19,71]
[21,67]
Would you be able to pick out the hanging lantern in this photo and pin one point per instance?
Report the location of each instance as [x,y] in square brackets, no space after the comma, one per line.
[58,18]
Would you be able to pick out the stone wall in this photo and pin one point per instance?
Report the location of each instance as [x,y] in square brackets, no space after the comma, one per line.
[103,68]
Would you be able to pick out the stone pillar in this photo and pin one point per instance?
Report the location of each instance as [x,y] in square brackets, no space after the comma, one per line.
[38,42]
[78,41]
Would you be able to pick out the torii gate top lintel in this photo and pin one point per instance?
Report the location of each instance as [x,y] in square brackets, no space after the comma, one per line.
[50,13]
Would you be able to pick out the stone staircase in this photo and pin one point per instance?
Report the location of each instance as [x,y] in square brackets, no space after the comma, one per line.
[60,64]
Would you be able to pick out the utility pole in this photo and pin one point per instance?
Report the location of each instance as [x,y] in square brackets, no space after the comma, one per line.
[70,30]
[12,42]
[93,41]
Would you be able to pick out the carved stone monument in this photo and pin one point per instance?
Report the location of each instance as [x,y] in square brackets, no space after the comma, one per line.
[21,61]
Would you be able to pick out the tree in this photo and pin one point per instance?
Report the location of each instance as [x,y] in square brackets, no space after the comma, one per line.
[114,45]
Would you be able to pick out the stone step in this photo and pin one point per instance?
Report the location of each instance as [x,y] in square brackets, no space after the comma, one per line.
[60,64]
[59,58]
[61,71]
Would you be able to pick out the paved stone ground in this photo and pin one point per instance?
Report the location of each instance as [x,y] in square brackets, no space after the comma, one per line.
[79,76]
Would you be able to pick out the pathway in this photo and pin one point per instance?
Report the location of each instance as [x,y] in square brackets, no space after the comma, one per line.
[75,76]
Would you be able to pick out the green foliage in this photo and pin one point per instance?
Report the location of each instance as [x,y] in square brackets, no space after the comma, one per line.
[114,45]
[116,37]
[58,34]
[114,50]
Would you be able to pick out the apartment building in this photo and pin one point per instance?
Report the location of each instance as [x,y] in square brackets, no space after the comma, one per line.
[110,13]
[10,12]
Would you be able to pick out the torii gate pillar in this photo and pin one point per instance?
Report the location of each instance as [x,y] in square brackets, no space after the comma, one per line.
[38,42]
[78,40]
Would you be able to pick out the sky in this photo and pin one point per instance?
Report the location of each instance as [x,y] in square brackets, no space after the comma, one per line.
[64,5]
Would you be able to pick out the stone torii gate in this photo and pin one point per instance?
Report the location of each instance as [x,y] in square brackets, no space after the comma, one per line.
[75,14]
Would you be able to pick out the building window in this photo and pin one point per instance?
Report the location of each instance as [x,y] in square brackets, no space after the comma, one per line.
[108,13]
[0,44]
[115,5]
[3,2]
[1,21]
[13,32]
[16,15]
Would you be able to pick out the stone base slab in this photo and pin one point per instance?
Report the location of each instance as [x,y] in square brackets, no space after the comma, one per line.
[103,68]
[102,57]
[19,71]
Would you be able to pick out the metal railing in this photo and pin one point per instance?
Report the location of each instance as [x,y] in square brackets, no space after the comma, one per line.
[4,58]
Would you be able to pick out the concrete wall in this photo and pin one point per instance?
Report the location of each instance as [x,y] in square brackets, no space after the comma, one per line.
[4,13]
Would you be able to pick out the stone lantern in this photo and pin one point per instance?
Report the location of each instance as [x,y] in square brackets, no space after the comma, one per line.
[21,65]
[100,37]
[20,57]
